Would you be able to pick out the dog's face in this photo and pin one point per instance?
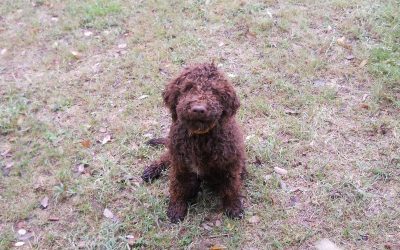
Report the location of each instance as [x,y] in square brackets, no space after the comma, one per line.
[201,97]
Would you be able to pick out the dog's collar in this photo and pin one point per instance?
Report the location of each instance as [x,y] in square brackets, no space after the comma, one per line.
[202,132]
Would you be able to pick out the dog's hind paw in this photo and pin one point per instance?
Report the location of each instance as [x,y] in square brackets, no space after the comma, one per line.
[151,172]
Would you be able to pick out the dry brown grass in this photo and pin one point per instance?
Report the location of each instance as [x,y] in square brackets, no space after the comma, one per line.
[309,105]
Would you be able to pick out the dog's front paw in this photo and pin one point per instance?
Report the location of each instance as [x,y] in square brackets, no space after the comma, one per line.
[235,212]
[177,211]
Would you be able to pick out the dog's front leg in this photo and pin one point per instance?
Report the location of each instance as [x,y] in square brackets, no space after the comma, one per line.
[229,191]
[183,188]
[155,169]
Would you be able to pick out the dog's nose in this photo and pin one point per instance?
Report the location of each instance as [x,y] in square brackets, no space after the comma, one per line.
[199,109]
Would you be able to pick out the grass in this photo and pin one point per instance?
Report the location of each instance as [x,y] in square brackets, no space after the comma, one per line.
[73,72]
[386,57]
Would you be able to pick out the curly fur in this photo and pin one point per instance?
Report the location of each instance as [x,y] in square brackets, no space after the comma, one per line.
[205,142]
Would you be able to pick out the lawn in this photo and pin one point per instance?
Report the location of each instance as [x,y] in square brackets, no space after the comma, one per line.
[80,94]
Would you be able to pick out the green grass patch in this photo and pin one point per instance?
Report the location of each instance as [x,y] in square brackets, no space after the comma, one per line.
[98,14]
[385,58]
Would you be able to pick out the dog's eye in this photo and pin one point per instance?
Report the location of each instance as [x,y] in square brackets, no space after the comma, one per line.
[187,87]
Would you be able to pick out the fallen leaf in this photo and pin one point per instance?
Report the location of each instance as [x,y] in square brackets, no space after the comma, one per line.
[81,244]
[218,247]
[142,97]
[267,177]
[87,33]
[6,152]
[250,35]
[319,82]
[280,171]
[282,184]
[257,161]
[390,246]
[292,112]
[44,203]
[342,42]
[21,224]
[131,240]
[108,214]
[106,139]
[249,137]
[54,219]
[254,219]
[293,200]
[206,226]
[25,237]
[218,223]
[20,120]
[122,46]
[364,106]
[326,244]
[296,164]
[19,244]
[270,14]
[81,168]
[148,135]
[86,143]
[7,169]
[76,54]
[363,63]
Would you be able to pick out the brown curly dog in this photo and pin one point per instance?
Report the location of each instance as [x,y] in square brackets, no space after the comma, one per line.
[205,142]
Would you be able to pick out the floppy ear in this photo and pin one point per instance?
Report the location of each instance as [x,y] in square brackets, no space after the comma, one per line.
[170,96]
[229,100]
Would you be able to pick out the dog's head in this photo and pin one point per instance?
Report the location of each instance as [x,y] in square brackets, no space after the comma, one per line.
[201,97]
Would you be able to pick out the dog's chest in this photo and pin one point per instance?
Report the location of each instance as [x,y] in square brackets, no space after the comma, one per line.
[201,157]
[195,169]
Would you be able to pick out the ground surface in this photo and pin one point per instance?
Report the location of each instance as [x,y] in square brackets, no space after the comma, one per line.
[80,85]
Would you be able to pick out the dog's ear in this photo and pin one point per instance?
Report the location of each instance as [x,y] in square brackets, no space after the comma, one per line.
[229,100]
[170,96]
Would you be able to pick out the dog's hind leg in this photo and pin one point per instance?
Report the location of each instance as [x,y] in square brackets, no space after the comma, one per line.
[154,170]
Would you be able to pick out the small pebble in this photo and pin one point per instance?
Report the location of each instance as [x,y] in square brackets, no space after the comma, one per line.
[22,232]
[280,171]
[19,244]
